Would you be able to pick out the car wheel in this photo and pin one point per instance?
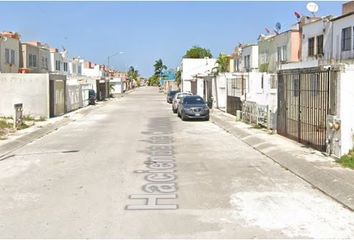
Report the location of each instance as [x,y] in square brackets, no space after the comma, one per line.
[183,116]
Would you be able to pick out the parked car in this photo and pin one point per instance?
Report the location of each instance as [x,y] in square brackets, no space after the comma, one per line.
[170,95]
[177,98]
[92,97]
[193,107]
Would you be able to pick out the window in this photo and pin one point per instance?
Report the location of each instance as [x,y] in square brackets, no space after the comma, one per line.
[320,44]
[65,67]
[278,54]
[247,62]
[7,55]
[346,39]
[273,82]
[285,53]
[32,61]
[57,65]
[12,57]
[311,49]
[79,71]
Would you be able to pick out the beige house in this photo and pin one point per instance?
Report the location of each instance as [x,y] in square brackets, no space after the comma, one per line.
[35,58]
[9,52]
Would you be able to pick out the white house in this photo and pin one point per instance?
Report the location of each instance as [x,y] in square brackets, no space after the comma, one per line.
[343,39]
[75,67]
[91,69]
[59,62]
[249,58]
[193,71]
[9,52]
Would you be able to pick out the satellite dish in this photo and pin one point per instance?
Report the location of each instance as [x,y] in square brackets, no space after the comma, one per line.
[278,26]
[312,7]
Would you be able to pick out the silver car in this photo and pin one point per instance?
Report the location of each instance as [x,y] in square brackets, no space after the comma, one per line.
[177,99]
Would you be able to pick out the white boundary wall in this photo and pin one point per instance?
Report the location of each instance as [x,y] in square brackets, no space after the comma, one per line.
[32,90]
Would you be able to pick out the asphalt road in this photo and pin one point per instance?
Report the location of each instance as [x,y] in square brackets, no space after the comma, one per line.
[132,169]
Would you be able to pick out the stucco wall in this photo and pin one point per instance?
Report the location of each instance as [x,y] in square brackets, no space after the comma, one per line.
[315,29]
[11,44]
[191,67]
[346,106]
[338,25]
[32,90]
[27,49]
[252,51]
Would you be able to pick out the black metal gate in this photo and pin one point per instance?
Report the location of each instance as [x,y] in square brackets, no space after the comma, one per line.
[236,87]
[305,97]
[233,104]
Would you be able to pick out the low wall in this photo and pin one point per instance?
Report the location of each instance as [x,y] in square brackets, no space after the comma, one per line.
[77,95]
[32,90]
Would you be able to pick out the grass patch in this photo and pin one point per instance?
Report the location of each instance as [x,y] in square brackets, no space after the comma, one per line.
[347,160]
[23,126]
[4,124]
[257,126]
[27,118]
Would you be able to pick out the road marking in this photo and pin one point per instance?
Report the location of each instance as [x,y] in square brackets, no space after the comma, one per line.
[160,169]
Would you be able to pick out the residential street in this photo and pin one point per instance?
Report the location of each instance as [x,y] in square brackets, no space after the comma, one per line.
[88,180]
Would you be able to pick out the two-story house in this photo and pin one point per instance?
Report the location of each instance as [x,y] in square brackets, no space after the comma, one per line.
[59,62]
[249,56]
[9,52]
[35,57]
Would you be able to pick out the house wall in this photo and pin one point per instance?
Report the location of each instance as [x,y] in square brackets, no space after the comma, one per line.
[338,25]
[314,29]
[117,86]
[92,72]
[262,95]
[77,95]
[11,44]
[267,54]
[27,49]
[220,87]
[252,51]
[191,67]
[346,106]
[294,46]
[57,56]
[32,90]
[44,67]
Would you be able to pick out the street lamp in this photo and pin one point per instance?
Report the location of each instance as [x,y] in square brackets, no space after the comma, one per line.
[109,57]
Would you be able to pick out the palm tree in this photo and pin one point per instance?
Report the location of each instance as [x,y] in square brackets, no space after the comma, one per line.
[222,63]
[133,74]
[159,67]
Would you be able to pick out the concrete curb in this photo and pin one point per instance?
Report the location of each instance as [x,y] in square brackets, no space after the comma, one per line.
[328,180]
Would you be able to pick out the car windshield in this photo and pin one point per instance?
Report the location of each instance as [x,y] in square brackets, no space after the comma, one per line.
[193,100]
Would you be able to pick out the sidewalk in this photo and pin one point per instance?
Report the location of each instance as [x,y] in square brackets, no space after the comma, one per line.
[40,129]
[320,171]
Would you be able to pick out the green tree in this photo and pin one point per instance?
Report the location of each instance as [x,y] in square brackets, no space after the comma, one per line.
[198,52]
[154,80]
[133,74]
[159,67]
[222,63]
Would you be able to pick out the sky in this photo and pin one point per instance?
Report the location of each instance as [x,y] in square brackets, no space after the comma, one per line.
[147,31]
